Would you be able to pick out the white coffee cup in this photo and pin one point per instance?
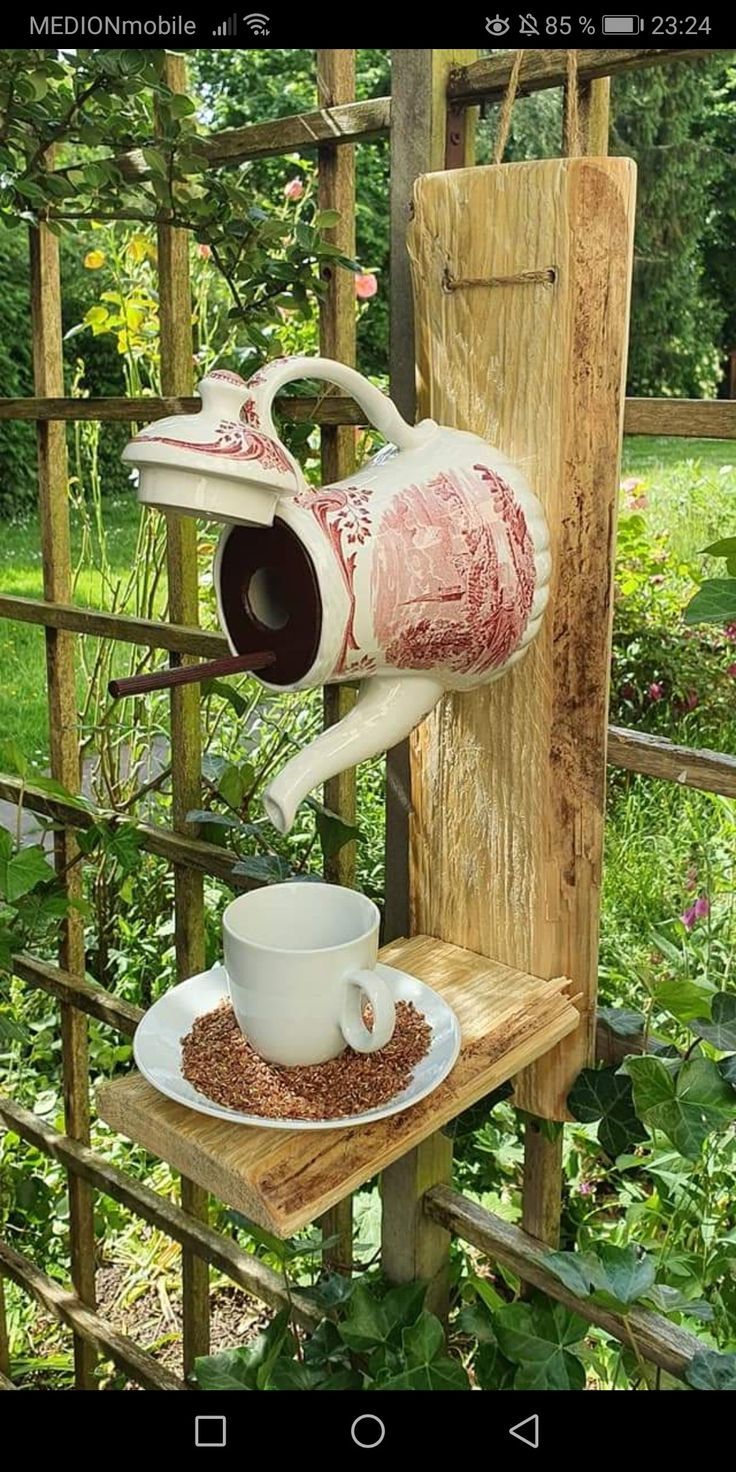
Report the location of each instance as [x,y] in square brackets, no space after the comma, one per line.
[300,959]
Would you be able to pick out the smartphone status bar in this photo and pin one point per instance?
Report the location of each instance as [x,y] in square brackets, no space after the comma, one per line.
[544,27]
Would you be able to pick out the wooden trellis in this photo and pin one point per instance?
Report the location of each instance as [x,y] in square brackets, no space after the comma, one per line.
[430,119]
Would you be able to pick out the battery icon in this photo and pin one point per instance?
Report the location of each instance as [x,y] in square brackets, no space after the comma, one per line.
[621,25]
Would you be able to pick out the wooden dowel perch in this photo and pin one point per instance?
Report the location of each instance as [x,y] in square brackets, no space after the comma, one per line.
[190,674]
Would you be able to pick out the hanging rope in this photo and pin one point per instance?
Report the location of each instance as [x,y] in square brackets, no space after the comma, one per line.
[573,144]
[504,121]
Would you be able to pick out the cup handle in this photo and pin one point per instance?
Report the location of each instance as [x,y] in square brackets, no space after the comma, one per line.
[353,1028]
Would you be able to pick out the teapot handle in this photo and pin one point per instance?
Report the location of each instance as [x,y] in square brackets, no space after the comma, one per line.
[379,408]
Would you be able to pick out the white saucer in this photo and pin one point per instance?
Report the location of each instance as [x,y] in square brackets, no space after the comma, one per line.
[157,1048]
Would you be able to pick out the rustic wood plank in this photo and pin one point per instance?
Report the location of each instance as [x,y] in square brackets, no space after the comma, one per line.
[177,356]
[419,139]
[79,993]
[413,1246]
[195,853]
[242,1267]
[350,122]
[594,113]
[48,378]
[486,79]
[542,1183]
[325,408]
[686,418]
[508,780]
[284,1179]
[67,1308]
[147,632]
[648,1333]
[337,337]
[689,418]
[654,756]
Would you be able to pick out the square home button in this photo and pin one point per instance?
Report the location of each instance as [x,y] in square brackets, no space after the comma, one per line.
[210,1431]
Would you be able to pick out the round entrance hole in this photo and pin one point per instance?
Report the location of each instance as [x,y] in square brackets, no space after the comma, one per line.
[266,598]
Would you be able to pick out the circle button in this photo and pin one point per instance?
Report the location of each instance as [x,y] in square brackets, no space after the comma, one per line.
[367,1430]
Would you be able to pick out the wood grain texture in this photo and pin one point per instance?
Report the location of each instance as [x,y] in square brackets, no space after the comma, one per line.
[487,79]
[418,145]
[100,1337]
[654,756]
[413,1246]
[508,781]
[326,408]
[542,1183]
[686,418]
[177,357]
[285,1179]
[337,339]
[689,418]
[648,1333]
[53,502]
[146,632]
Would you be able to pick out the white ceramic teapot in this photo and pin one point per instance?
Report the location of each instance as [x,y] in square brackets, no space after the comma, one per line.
[428,570]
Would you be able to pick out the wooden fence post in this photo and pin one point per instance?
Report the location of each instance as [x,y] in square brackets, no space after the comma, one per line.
[542,1184]
[48,377]
[336,191]
[419,141]
[508,780]
[175,309]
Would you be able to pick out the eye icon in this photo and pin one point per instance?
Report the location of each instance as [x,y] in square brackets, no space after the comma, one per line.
[498,26]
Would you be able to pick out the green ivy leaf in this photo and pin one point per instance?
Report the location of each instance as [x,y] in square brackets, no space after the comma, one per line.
[423,1341]
[724,547]
[403,1305]
[624,1023]
[668,1300]
[226,692]
[332,830]
[709,1370]
[605,1095]
[22,872]
[293,1375]
[366,1325]
[249,1367]
[621,1275]
[714,602]
[231,787]
[268,868]
[720,1030]
[492,1370]
[727,1070]
[685,998]
[538,1337]
[685,1101]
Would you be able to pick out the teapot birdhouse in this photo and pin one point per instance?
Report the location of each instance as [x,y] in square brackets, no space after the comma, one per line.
[426,571]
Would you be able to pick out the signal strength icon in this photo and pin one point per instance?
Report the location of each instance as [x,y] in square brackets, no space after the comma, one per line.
[258,24]
[228,27]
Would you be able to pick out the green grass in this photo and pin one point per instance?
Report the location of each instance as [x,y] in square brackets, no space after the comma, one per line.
[23,715]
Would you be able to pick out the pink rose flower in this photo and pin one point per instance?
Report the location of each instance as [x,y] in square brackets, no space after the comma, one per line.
[366,285]
[656,690]
[294,189]
[204,252]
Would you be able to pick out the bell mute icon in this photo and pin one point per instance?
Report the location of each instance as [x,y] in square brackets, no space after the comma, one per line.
[527,1431]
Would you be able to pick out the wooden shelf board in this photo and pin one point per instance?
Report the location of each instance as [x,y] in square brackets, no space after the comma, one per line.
[284,1179]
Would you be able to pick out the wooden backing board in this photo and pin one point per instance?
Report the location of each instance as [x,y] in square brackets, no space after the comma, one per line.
[508,781]
[284,1179]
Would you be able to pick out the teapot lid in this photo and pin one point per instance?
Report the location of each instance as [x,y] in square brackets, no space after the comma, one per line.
[218,463]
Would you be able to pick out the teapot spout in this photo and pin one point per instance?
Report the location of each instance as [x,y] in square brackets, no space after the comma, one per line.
[387,709]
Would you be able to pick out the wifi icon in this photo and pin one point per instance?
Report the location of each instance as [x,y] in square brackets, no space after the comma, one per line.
[257,24]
